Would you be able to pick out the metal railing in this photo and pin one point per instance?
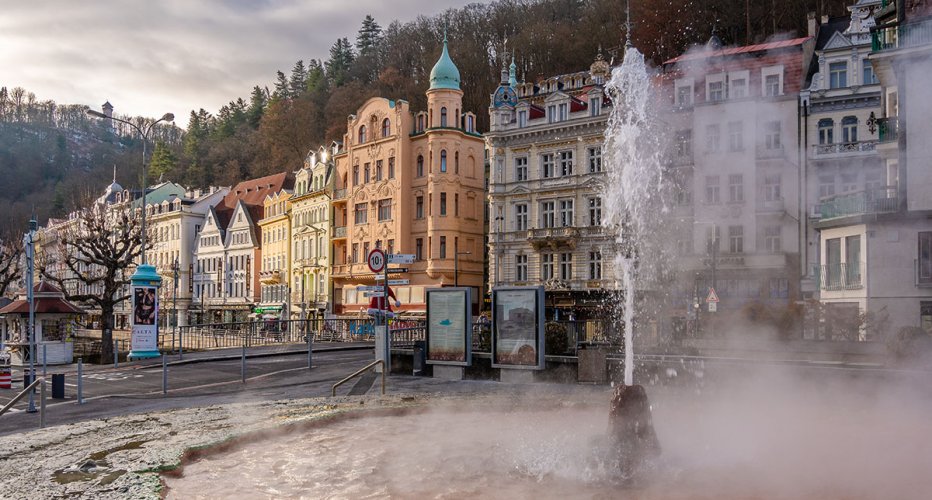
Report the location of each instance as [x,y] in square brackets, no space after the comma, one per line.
[870,201]
[845,147]
[333,390]
[887,129]
[901,36]
[269,332]
[842,276]
[40,381]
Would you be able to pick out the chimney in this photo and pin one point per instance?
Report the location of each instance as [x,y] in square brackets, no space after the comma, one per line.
[824,18]
[812,24]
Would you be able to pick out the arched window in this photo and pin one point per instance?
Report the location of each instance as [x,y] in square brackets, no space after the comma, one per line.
[386,128]
[420,123]
[470,125]
[362,134]
[826,131]
[456,162]
[420,166]
[443,160]
[456,116]
[443,117]
[849,129]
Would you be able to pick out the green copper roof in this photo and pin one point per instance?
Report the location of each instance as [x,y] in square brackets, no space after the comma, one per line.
[512,79]
[445,75]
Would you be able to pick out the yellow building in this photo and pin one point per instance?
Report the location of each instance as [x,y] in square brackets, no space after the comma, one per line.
[310,234]
[413,184]
[275,228]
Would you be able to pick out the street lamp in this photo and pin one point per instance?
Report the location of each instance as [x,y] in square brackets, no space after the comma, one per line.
[145,281]
[456,260]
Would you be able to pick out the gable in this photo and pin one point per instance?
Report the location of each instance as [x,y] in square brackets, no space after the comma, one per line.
[838,41]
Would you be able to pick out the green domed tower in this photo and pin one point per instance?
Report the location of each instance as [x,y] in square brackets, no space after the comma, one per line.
[444,97]
[445,74]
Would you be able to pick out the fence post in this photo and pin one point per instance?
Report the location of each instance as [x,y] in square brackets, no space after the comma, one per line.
[181,343]
[243,363]
[42,403]
[116,353]
[44,360]
[307,335]
[80,381]
[164,375]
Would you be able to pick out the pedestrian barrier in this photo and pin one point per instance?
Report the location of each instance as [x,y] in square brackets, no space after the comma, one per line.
[6,377]
[41,383]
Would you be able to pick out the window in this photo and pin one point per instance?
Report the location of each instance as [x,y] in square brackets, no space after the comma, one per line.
[385,209]
[684,144]
[547,213]
[419,172]
[925,257]
[391,167]
[772,239]
[595,211]
[365,250]
[716,91]
[521,267]
[521,217]
[925,316]
[595,265]
[735,136]
[868,77]
[712,189]
[826,131]
[595,159]
[563,112]
[521,168]
[738,88]
[419,249]
[713,138]
[456,162]
[551,114]
[361,214]
[443,203]
[736,239]
[853,260]
[386,128]
[354,256]
[367,175]
[456,204]
[547,165]
[443,160]
[419,207]
[779,288]
[838,75]
[595,106]
[378,170]
[713,238]
[443,247]
[772,187]
[566,266]
[566,163]
[470,123]
[849,129]
[566,213]
[362,134]
[443,117]
[772,85]
[684,95]
[355,175]
[522,118]
[420,123]
[772,135]
[735,188]
[546,266]
[826,186]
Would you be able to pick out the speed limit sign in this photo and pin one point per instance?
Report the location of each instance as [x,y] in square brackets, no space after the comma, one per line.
[376,260]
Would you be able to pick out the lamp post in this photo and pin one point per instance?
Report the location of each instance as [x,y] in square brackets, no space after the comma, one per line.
[456,267]
[145,281]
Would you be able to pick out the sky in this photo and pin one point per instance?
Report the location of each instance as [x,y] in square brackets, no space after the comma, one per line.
[150,57]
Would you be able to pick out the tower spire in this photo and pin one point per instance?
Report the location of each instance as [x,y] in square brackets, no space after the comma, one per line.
[114,173]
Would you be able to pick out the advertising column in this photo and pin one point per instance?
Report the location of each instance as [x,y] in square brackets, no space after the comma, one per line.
[144,342]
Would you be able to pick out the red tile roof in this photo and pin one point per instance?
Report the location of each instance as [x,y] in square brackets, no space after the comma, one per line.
[254,191]
[48,299]
[730,51]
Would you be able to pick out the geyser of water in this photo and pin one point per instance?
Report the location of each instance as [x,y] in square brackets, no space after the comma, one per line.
[632,198]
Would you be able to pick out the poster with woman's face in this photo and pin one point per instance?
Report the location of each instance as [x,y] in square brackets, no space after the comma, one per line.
[144,305]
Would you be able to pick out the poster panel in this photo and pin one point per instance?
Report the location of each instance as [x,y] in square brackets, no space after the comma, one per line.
[145,319]
[449,326]
[518,327]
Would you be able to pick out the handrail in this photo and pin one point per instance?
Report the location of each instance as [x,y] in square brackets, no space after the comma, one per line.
[333,390]
[30,387]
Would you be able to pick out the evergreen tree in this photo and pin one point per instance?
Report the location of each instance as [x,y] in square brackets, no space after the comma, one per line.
[163,162]
[316,77]
[298,82]
[341,59]
[368,37]
[257,102]
[282,89]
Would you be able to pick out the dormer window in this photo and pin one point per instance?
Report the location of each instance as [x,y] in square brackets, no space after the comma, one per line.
[739,88]
[386,127]
[470,123]
[522,118]
[595,106]
[564,108]
[420,123]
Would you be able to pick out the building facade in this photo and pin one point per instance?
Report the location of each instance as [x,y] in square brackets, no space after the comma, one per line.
[275,231]
[413,184]
[545,222]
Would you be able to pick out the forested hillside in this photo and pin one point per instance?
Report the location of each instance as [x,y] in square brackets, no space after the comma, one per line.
[53,155]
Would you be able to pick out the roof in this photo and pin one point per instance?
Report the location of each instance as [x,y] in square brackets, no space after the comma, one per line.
[254,191]
[47,298]
[161,192]
[731,51]
[827,30]
[444,74]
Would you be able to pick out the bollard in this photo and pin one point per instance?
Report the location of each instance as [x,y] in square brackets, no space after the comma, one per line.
[307,334]
[116,354]
[164,375]
[181,343]
[42,404]
[80,381]
[44,360]
[243,367]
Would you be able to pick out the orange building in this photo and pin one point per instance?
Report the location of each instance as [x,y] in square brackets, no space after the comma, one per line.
[414,184]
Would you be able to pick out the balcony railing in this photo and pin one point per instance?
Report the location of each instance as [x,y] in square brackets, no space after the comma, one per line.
[872,201]
[887,128]
[901,36]
[339,232]
[842,276]
[845,148]
[339,194]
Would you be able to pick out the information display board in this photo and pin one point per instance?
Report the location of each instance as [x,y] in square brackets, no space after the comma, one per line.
[449,326]
[518,327]
[145,318]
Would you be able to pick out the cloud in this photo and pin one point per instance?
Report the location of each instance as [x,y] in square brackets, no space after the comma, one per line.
[148,58]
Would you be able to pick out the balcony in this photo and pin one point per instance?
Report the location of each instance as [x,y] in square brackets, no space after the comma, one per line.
[901,36]
[873,201]
[553,237]
[842,276]
[270,277]
[844,148]
[339,232]
[887,128]
[339,194]
[765,206]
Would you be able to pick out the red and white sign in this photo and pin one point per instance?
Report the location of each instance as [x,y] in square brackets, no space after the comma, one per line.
[376,260]
[713,297]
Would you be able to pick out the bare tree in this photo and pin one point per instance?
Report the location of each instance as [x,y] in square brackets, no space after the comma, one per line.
[11,271]
[93,260]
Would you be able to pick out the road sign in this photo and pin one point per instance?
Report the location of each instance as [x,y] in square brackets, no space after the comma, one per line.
[713,297]
[400,258]
[713,306]
[376,260]
[398,282]
[373,294]
[397,270]
[377,288]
